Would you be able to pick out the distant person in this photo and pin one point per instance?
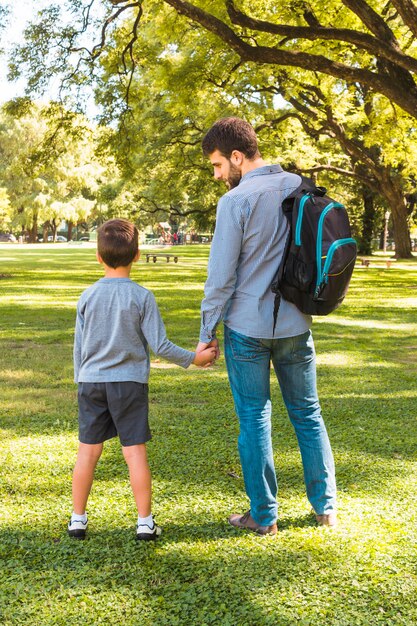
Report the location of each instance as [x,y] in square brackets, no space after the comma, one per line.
[247,246]
[117,319]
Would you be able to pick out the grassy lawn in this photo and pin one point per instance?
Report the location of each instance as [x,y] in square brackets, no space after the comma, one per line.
[202,571]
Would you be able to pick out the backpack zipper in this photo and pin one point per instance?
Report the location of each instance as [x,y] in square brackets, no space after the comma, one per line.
[330,253]
[319,243]
[297,237]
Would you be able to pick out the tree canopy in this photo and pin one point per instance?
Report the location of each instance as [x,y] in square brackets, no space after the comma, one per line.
[50,174]
[375,48]
[164,70]
[373,45]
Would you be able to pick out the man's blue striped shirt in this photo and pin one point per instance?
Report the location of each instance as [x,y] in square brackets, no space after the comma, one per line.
[247,246]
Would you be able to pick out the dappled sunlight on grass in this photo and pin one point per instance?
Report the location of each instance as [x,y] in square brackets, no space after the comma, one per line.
[362,573]
[405,303]
[368,324]
[383,394]
[46,451]
[188,287]
[41,300]
[162,365]
[76,288]
[346,359]
[23,378]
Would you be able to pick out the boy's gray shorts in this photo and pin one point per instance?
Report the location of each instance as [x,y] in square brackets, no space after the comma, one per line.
[106,410]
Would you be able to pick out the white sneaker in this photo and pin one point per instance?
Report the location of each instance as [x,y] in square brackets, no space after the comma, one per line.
[77,528]
[146,533]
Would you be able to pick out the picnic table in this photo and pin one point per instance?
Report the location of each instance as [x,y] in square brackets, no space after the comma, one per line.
[155,255]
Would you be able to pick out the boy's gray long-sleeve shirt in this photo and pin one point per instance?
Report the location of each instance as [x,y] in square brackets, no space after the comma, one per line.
[117,321]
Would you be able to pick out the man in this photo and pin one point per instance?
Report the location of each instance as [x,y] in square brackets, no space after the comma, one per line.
[247,246]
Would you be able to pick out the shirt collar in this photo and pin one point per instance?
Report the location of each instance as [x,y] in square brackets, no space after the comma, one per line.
[262,171]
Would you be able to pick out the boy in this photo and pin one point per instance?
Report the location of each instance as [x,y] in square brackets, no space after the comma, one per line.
[116,320]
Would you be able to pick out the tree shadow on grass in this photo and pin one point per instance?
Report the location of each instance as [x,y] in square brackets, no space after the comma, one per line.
[372,446]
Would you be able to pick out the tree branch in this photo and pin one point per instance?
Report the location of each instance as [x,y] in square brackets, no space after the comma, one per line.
[405,97]
[172,210]
[308,129]
[363,41]
[98,48]
[370,182]
[276,121]
[129,49]
[408,11]
[372,20]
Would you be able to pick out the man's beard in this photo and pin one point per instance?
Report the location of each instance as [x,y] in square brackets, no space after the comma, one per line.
[234,176]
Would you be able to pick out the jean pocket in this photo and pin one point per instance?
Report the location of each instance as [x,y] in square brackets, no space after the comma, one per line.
[244,348]
[303,348]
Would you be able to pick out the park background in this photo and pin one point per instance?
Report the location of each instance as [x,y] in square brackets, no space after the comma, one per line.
[112,99]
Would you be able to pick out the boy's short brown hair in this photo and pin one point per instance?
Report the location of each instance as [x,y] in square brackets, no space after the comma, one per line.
[117,242]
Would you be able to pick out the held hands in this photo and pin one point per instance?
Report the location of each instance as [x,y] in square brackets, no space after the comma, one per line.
[206,353]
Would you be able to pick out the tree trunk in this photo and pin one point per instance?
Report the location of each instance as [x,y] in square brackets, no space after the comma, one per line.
[368,220]
[33,232]
[70,227]
[54,229]
[398,206]
[45,231]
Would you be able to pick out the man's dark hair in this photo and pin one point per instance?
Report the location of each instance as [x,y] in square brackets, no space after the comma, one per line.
[117,242]
[228,134]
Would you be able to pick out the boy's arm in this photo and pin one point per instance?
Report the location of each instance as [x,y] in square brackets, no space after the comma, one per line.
[79,325]
[154,330]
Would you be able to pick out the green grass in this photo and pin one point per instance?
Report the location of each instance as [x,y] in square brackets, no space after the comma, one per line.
[202,571]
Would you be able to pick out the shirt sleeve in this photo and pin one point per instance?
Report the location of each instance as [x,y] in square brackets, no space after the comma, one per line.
[154,331]
[222,266]
[79,325]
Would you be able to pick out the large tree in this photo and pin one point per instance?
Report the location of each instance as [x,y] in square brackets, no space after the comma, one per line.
[373,53]
[378,147]
[48,171]
[372,141]
[352,40]
[5,210]
[372,44]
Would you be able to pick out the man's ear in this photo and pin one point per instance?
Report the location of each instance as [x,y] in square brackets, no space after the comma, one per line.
[237,157]
[137,256]
[98,257]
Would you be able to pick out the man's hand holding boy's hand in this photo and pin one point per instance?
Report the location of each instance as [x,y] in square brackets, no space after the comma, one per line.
[214,343]
[205,357]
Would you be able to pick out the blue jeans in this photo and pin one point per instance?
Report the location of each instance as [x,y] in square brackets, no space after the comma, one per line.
[294,361]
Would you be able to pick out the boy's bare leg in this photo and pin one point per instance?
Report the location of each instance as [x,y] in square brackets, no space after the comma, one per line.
[82,478]
[140,477]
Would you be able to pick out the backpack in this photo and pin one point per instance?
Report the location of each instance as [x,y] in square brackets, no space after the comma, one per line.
[319,254]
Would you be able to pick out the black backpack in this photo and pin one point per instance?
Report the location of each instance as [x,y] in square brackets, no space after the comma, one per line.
[319,254]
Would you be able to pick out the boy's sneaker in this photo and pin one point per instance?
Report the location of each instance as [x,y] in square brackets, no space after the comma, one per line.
[77,528]
[146,533]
